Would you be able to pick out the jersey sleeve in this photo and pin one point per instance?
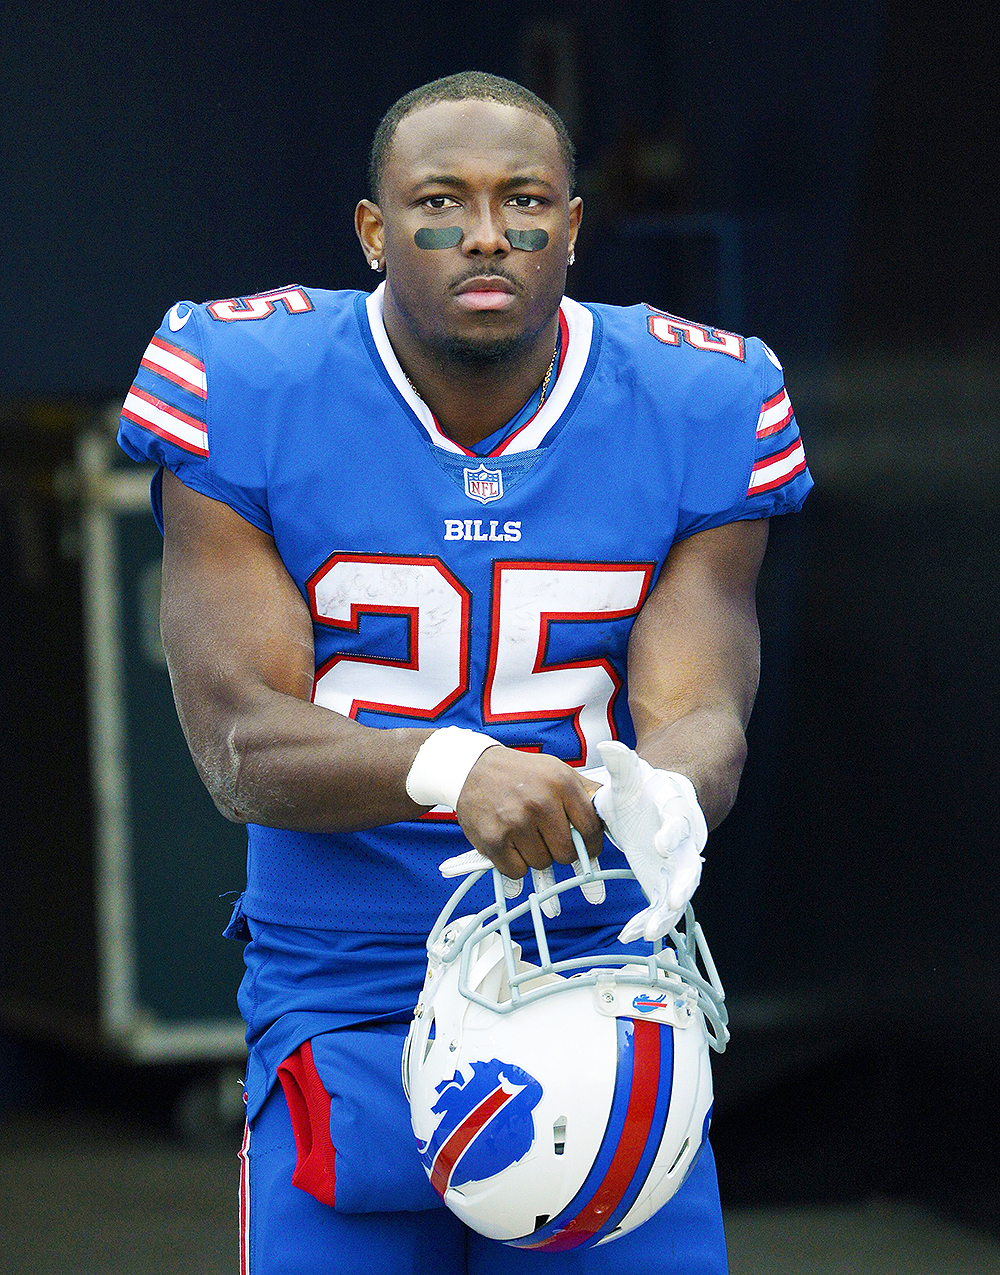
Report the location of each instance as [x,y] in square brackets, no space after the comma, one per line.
[172,417]
[764,470]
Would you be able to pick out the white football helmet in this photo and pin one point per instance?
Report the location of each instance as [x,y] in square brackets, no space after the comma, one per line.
[562,1104]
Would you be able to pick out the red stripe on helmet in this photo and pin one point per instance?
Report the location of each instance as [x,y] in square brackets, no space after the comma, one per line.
[628,1153]
[453,1148]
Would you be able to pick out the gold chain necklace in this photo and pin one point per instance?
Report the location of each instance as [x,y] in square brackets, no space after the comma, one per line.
[545,381]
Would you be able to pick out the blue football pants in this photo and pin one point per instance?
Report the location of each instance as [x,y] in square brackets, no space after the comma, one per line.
[286,1231]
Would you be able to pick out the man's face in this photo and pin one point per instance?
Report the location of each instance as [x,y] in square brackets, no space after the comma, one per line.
[478,168]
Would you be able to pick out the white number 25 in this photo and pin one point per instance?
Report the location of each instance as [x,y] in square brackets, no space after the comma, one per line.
[522,684]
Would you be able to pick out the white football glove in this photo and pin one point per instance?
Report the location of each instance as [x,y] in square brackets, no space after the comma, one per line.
[654,818]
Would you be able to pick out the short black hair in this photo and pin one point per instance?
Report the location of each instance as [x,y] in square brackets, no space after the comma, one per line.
[478,86]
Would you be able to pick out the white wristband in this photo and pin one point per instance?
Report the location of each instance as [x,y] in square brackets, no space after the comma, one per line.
[442,765]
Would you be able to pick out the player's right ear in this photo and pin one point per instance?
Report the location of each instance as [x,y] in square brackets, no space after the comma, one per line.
[368,223]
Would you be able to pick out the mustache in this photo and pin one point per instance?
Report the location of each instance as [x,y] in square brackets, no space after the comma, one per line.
[485,272]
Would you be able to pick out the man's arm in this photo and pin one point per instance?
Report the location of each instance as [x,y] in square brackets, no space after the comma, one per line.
[694,662]
[238,639]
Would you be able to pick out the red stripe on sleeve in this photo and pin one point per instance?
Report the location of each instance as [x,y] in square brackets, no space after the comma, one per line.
[169,348]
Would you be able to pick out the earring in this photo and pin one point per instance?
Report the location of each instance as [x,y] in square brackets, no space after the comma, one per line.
[374,264]
[572,257]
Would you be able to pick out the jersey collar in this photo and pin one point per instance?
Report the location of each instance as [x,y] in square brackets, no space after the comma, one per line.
[580,331]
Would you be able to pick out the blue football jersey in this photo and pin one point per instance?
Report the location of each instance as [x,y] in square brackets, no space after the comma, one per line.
[489,590]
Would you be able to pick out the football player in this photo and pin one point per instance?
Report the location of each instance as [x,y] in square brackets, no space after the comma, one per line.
[429,554]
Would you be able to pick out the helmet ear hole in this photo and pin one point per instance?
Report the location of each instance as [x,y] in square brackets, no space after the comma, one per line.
[679,1156]
[559,1135]
[431,1036]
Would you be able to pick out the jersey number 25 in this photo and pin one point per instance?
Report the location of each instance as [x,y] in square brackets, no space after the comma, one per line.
[520,684]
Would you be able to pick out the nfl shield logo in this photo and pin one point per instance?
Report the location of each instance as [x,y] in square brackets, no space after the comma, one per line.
[484,484]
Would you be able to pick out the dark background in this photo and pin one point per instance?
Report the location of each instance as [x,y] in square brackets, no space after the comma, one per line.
[815,174]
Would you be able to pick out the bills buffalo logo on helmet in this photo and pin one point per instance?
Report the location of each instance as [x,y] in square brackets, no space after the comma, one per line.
[486,1124]
[646,1003]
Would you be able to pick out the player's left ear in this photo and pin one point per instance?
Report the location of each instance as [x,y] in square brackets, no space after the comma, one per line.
[369,224]
[575,217]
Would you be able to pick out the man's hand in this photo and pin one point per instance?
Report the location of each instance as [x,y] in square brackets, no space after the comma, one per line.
[654,818]
[517,809]
[523,812]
